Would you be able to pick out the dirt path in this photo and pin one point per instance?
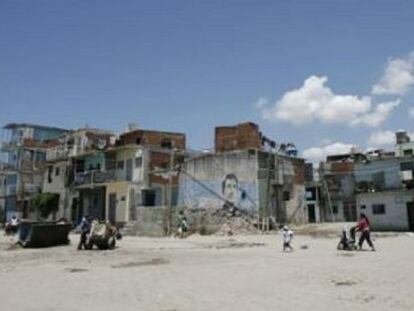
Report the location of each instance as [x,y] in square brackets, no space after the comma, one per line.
[209,273]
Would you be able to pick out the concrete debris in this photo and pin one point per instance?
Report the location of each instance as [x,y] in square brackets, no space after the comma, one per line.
[221,222]
[237,226]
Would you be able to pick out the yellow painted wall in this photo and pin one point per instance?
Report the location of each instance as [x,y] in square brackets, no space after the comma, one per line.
[121,189]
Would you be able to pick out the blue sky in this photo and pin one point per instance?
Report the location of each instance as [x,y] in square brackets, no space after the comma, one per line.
[189,66]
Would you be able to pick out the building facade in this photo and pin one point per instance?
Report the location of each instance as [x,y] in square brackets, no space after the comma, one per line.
[245,172]
[103,176]
[22,164]
[385,192]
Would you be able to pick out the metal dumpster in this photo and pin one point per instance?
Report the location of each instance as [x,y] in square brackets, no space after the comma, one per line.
[43,233]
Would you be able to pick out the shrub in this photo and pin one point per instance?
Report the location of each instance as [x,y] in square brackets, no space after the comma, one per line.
[46,203]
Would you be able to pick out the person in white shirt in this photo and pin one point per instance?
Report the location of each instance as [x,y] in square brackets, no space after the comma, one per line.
[14,221]
[287,236]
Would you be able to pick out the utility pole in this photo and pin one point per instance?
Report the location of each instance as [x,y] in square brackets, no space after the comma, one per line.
[170,193]
[265,226]
[328,196]
[21,178]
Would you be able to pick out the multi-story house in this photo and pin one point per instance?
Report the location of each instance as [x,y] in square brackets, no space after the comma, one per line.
[385,189]
[22,163]
[404,146]
[108,177]
[337,187]
[72,167]
[248,172]
[314,202]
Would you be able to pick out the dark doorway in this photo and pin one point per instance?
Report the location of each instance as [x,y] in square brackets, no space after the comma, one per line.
[75,213]
[410,214]
[129,170]
[311,213]
[148,196]
[132,205]
[112,208]
[350,212]
[278,205]
[25,209]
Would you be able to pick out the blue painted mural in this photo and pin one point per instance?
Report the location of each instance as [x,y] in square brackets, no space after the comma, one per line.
[226,193]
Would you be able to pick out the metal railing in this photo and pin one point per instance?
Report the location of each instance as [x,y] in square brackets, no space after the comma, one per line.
[96,177]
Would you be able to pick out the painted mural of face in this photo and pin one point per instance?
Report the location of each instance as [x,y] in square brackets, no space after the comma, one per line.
[230,189]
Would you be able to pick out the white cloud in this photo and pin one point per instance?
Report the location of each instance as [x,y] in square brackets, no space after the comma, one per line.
[261,103]
[381,138]
[378,116]
[314,101]
[318,154]
[398,77]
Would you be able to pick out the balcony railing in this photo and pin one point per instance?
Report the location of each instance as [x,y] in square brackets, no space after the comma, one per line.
[56,153]
[95,177]
[62,152]
[8,166]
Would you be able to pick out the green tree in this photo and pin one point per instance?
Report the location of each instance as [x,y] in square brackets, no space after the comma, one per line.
[46,203]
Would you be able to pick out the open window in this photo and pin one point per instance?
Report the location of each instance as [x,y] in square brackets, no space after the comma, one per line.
[148,197]
[378,209]
[166,143]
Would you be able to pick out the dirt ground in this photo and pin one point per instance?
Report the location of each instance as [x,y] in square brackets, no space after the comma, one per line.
[209,273]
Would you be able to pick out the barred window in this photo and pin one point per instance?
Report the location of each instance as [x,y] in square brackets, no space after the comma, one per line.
[378,209]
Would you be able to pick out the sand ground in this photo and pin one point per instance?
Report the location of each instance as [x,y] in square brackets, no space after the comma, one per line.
[209,273]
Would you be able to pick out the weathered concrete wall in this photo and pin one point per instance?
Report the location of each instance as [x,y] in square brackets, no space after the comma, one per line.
[286,196]
[404,149]
[56,183]
[384,173]
[296,206]
[263,179]
[395,217]
[150,222]
[203,181]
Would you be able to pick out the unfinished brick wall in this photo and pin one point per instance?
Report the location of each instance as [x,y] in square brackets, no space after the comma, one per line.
[241,136]
[166,140]
[342,167]
[161,160]
[299,168]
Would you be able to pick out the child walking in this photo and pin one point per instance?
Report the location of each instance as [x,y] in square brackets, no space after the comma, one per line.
[287,236]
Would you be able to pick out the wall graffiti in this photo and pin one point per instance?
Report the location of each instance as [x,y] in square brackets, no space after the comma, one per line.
[229,192]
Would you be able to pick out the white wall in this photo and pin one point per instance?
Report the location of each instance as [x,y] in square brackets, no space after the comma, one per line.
[395,217]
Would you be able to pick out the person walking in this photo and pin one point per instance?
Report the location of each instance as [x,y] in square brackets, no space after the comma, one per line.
[365,232]
[85,228]
[287,236]
[182,224]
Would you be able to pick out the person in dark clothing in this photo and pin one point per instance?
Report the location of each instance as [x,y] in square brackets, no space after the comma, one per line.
[85,227]
[364,229]
[182,224]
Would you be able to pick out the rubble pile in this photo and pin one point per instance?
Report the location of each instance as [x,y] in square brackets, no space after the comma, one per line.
[221,222]
[238,225]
